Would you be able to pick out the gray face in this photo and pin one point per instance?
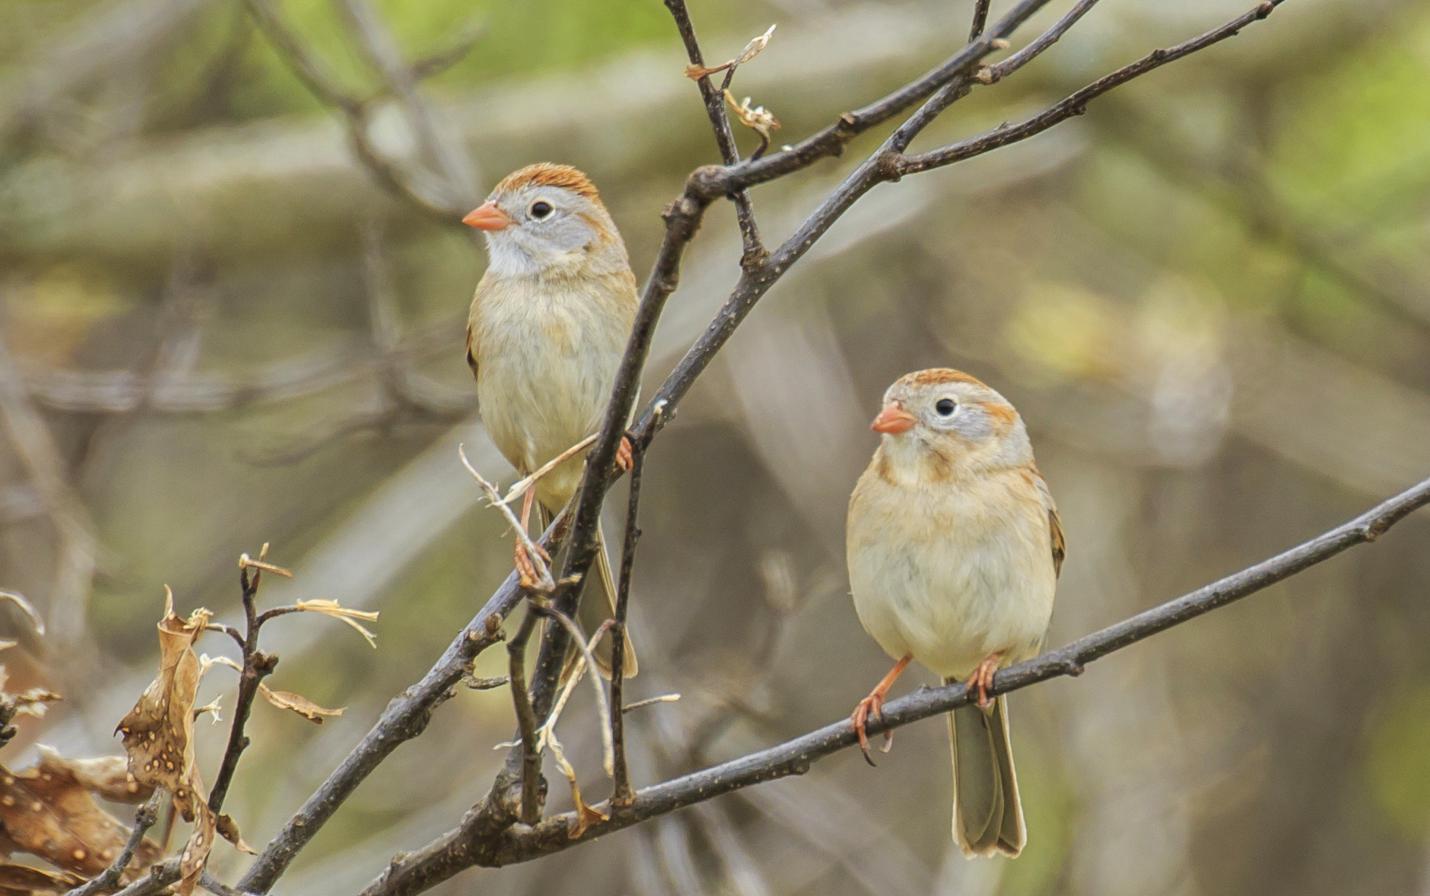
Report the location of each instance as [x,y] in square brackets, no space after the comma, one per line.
[549,226]
[956,408]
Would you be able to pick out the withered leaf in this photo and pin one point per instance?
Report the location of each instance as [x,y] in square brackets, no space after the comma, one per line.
[228,830]
[336,610]
[159,731]
[196,851]
[106,776]
[34,701]
[47,811]
[22,880]
[299,704]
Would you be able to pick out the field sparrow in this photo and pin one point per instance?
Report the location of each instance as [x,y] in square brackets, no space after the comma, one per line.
[954,552]
[547,329]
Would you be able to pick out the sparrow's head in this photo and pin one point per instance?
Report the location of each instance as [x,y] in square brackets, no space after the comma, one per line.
[547,220]
[952,420]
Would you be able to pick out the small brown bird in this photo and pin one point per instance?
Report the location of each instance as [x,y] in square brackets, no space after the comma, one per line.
[954,548]
[547,329]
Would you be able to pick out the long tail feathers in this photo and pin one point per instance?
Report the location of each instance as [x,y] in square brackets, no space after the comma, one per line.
[987,814]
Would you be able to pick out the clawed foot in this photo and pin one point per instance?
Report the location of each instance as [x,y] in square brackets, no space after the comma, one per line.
[871,706]
[526,571]
[982,679]
[625,455]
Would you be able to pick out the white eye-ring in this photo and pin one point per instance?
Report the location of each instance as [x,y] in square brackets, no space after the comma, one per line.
[540,209]
[945,407]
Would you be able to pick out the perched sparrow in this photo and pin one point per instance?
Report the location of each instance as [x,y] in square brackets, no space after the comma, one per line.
[547,329]
[954,552]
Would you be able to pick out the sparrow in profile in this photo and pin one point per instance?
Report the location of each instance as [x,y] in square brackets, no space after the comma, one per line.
[954,548]
[545,336]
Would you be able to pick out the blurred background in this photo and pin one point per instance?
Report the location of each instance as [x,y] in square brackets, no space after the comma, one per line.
[225,320]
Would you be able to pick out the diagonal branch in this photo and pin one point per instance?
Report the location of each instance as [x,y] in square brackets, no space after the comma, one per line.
[1076,103]
[831,140]
[461,848]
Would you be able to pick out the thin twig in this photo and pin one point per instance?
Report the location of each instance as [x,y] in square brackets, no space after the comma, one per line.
[519,487]
[1076,103]
[587,663]
[144,819]
[980,19]
[622,794]
[156,881]
[650,701]
[405,718]
[464,846]
[526,723]
[1000,70]
[754,251]
[256,667]
[831,140]
[544,582]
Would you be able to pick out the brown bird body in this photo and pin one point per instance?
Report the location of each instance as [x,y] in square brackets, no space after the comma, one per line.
[954,548]
[546,332]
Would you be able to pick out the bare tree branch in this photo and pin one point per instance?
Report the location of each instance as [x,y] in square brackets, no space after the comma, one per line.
[621,772]
[714,98]
[1076,103]
[144,819]
[464,847]
[486,834]
[405,718]
[257,666]
[980,19]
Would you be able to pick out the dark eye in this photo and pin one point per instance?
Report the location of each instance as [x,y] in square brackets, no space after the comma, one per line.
[540,209]
[946,407]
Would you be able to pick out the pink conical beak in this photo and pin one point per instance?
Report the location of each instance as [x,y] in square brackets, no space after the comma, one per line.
[893,419]
[487,217]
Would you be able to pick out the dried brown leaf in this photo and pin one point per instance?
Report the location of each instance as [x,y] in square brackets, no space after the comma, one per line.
[757,118]
[34,702]
[22,880]
[195,854]
[228,830]
[47,811]
[106,776]
[299,704]
[338,611]
[755,47]
[159,731]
